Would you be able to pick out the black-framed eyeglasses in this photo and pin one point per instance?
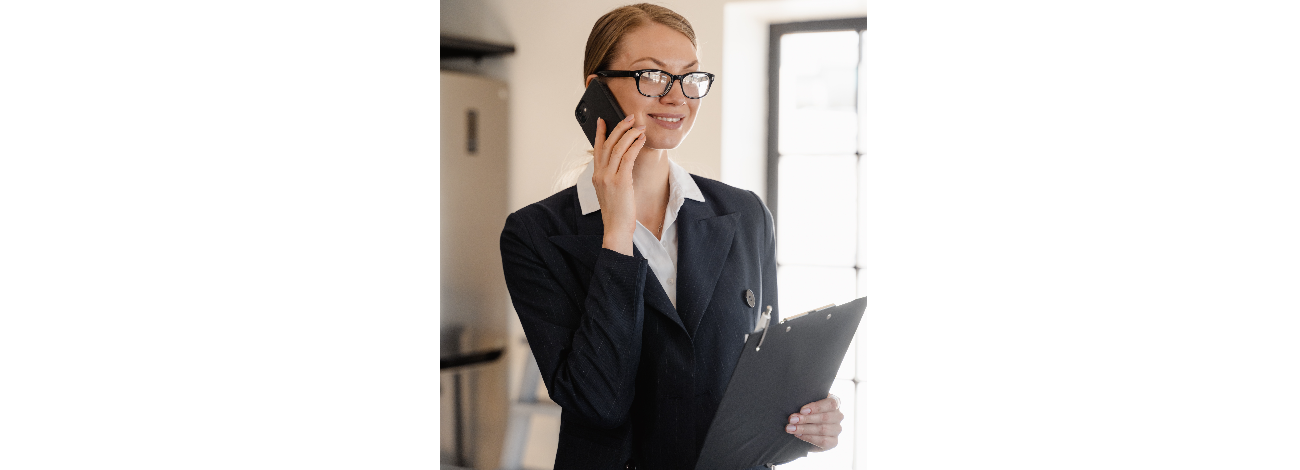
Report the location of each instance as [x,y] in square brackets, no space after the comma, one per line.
[655,83]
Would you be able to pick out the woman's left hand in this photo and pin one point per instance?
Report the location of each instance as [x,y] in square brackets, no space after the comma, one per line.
[818,423]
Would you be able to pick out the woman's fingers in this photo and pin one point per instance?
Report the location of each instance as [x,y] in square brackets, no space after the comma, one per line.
[605,143]
[818,422]
[833,416]
[598,159]
[604,150]
[828,429]
[629,159]
[620,159]
[617,134]
[831,402]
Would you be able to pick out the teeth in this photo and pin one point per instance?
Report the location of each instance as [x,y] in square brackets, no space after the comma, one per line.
[667,119]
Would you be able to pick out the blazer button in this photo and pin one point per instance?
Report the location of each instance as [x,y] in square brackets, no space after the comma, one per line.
[749,298]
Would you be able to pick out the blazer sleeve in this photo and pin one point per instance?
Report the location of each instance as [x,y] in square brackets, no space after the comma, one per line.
[588,354]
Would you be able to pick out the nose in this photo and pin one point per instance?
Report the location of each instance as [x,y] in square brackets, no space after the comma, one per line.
[675,96]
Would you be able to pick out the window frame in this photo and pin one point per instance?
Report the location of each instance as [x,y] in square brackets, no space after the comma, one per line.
[775,31]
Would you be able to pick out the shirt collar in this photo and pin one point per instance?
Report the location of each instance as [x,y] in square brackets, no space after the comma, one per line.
[680,187]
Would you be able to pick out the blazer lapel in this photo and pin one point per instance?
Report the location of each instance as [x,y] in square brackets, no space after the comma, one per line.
[585,246]
[703,242]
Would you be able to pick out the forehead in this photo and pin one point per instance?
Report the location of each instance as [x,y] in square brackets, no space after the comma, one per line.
[656,46]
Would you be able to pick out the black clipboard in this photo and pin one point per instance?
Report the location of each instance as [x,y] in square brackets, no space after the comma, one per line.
[787,365]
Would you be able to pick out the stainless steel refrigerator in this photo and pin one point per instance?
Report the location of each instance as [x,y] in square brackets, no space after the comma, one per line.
[474,301]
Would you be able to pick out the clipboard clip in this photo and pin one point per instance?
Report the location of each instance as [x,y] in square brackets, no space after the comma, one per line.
[765,320]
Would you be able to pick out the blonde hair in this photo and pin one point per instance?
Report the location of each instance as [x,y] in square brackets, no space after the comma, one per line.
[607,34]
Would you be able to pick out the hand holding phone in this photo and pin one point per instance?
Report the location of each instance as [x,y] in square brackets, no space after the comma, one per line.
[616,144]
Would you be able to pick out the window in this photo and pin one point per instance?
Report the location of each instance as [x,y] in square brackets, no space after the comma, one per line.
[815,175]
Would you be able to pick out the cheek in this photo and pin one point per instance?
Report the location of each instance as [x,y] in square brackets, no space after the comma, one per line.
[628,99]
[636,107]
[694,113]
[637,110]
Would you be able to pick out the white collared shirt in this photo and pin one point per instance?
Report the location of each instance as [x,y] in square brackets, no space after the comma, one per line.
[660,253]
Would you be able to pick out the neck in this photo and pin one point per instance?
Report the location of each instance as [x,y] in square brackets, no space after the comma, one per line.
[650,180]
[650,175]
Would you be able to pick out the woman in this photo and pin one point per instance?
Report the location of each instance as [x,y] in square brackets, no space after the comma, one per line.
[636,287]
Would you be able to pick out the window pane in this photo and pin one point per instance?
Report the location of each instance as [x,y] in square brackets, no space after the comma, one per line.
[860,420]
[862,97]
[848,368]
[818,93]
[804,288]
[814,131]
[841,457]
[862,282]
[860,354]
[862,217]
[817,210]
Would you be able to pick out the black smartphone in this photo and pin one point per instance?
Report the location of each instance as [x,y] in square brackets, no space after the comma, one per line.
[598,102]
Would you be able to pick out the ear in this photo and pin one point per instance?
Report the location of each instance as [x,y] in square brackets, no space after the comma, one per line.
[588,82]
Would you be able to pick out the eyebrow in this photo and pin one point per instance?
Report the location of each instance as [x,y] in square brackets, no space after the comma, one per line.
[663,65]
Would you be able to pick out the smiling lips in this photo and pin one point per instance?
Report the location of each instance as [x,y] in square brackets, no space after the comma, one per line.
[668,121]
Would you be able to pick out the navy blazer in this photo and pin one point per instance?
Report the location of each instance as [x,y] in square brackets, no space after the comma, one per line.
[639,380]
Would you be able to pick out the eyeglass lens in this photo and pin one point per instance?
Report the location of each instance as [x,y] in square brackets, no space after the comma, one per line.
[694,85]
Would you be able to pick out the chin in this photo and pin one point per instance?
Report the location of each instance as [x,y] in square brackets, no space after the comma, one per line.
[663,145]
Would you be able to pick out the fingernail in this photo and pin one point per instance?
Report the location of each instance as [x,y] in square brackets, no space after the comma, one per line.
[789,428]
[640,128]
[806,411]
[628,119]
[794,419]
